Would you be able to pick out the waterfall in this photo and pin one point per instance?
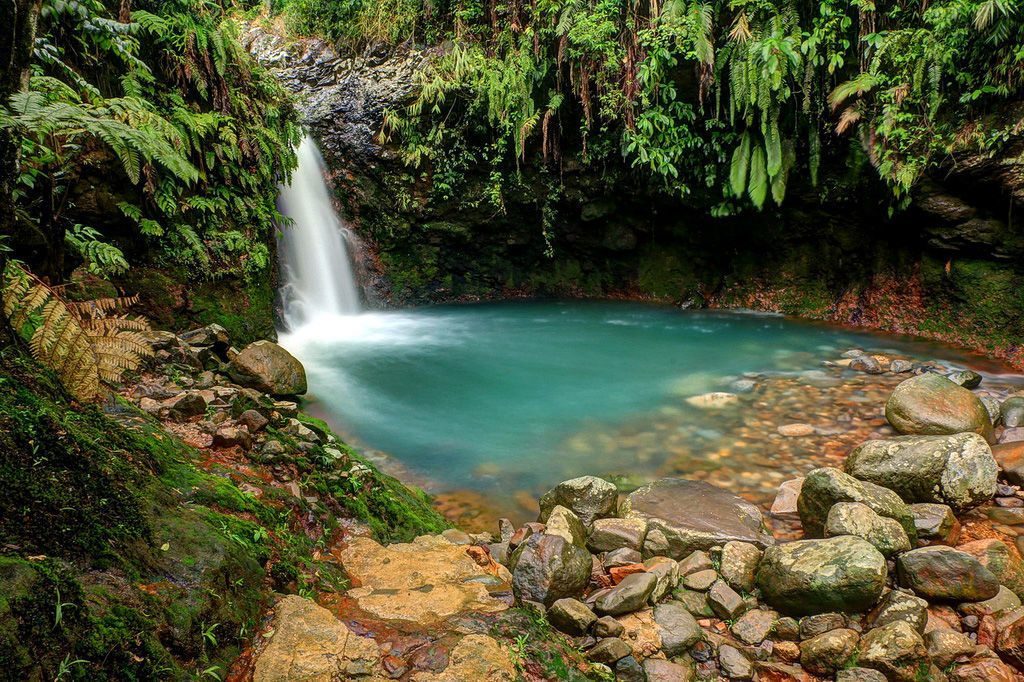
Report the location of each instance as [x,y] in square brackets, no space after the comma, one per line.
[316,269]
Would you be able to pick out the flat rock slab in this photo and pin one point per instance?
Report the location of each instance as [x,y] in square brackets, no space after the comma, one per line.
[423,581]
[309,643]
[692,515]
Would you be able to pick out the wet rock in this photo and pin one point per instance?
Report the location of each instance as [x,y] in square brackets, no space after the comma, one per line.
[1010,640]
[796,430]
[957,470]
[660,670]
[629,595]
[966,378]
[571,616]
[738,565]
[628,669]
[896,650]
[734,663]
[754,626]
[607,626]
[940,572]
[935,523]
[843,573]
[185,406]
[784,507]
[900,366]
[898,605]
[786,628]
[946,646]
[695,602]
[1012,412]
[713,401]
[232,436]
[854,518]
[992,405]
[266,366]
[564,523]
[588,497]
[997,557]
[546,568]
[607,535]
[820,623]
[828,652]
[621,557]
[666,571]
[867,364]
[929,404]
[693,515]
[308,642]
[724,601]
[1010,457]
[677,628]
[609,650]
[823,488]
[697,560]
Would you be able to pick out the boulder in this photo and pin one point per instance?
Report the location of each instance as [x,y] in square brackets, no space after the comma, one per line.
[958,470]
[211,335]
[607,626]
[784,507]
[930,404]
[563,522]
[666,571]
[899,605]
[983,670]
[941,572]
[828,652]
[935,523]
[660,670]
[820,623]
[677,628]
[691,515]
[823,488]
[738,565]
[754,626]
[1010,457]
[1010,640]
[253,420]
[1005,600]
[607,535]
[1012,412]
[843,573]
[546,568]
[232,436]
[571,616]
[997,557]
[628,596]
[854,518]
[734,663]
[946,646]
[589,497]
[724,601]
[896,650]
[185,406]
[609,650]
[266,366]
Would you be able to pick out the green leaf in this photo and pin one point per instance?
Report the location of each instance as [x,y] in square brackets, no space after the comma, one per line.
[740,167]
[757,187]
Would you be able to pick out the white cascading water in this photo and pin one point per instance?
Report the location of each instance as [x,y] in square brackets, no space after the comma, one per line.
[317,272]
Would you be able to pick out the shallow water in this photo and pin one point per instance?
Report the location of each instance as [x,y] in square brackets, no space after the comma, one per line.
[515,397]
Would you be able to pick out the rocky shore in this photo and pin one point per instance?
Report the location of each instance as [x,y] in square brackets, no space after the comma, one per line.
[899,563]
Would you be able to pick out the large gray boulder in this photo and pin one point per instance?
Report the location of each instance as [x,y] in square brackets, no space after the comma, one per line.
[268,367]
[957,470]
[546,568]
[825,487]
[691,515]
[930,404]
[806,577]
[589,497]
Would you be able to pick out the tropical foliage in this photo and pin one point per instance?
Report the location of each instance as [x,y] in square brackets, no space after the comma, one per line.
[165,90]
[725,97]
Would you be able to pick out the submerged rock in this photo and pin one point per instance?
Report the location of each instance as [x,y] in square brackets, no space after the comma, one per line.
[957,470]
[930,404]
[843,573]
[268,367]
[692,515]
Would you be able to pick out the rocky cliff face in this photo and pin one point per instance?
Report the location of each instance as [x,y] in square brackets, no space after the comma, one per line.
[948,267]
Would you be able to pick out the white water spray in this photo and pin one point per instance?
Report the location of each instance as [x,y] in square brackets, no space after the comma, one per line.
[316,270]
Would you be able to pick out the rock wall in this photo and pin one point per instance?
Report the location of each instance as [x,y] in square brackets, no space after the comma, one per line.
[948,267]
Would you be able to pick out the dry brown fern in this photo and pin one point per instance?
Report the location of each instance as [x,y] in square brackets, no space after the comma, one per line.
[84,343]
